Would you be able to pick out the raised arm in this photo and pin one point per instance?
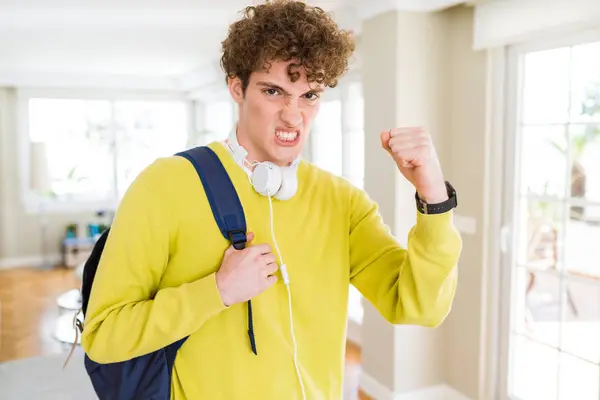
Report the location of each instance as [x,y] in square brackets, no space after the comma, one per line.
[415,285]
[128,315]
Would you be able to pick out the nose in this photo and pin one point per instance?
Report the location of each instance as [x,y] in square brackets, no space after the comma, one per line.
[291,114]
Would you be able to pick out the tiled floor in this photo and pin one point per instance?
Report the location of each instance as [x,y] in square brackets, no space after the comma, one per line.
[28,313]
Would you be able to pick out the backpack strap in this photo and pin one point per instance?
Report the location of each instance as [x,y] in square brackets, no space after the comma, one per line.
[225,204]
[221,194]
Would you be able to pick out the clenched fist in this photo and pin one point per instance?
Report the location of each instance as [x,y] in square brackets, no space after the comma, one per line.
[246,273]
[412,150]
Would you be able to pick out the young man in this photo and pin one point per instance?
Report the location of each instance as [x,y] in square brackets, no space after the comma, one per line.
[167,272]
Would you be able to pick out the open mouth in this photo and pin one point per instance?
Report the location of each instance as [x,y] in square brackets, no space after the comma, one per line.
[287,137]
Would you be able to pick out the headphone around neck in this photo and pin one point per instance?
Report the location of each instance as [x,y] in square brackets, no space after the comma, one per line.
[267,178]
[271,180]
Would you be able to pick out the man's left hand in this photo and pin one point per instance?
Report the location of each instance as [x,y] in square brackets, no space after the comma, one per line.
[412,150]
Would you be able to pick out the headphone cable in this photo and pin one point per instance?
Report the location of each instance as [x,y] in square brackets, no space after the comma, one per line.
[286,281]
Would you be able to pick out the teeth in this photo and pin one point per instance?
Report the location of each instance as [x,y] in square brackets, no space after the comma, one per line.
[286,136]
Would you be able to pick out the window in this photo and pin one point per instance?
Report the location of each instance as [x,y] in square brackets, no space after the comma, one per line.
[219,118]
[74,140]
[554,292]
[145,131]
[354,136]
[88,151]
[327,137]
[214,119]
[338,134]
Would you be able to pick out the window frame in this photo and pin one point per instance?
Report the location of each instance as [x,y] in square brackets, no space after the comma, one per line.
[36,204]
[510,128]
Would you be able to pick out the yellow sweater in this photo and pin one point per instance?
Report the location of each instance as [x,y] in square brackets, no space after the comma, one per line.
[156,282]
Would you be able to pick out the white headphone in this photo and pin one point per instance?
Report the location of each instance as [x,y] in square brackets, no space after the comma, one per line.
[271,180]
[268,178]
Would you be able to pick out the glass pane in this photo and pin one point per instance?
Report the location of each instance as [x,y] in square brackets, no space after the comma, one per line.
[145,132]
[544,160]
[536,311]
[355,107]
[541,233]
[327,137]
[219,119]
[585,155]
[546,86]
[534,370]
[585,95]
[582,249]
[578,379]
[354,135]
[356,157]
[581,328]
[74,148]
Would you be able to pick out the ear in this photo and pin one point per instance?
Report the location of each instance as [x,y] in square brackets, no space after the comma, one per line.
[235,89]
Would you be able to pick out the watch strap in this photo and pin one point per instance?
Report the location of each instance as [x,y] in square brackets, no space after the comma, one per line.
[438,208]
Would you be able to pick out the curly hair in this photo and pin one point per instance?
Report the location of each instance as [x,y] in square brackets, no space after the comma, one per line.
[286,30]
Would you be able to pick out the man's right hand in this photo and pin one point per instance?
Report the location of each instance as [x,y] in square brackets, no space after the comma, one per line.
[246,273]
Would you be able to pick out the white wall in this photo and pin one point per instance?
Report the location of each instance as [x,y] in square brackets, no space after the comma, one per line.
[465,147]
[531,19]
[379,87]
[420,69]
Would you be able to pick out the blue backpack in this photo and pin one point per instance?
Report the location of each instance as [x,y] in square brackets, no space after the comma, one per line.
[148,377]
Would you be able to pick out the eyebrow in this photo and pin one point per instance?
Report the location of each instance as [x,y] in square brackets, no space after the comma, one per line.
[274,86]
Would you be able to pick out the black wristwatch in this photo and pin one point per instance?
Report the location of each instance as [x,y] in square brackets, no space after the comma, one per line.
[438,208]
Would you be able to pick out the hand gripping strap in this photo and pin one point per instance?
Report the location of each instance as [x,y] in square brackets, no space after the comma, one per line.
[225,205]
